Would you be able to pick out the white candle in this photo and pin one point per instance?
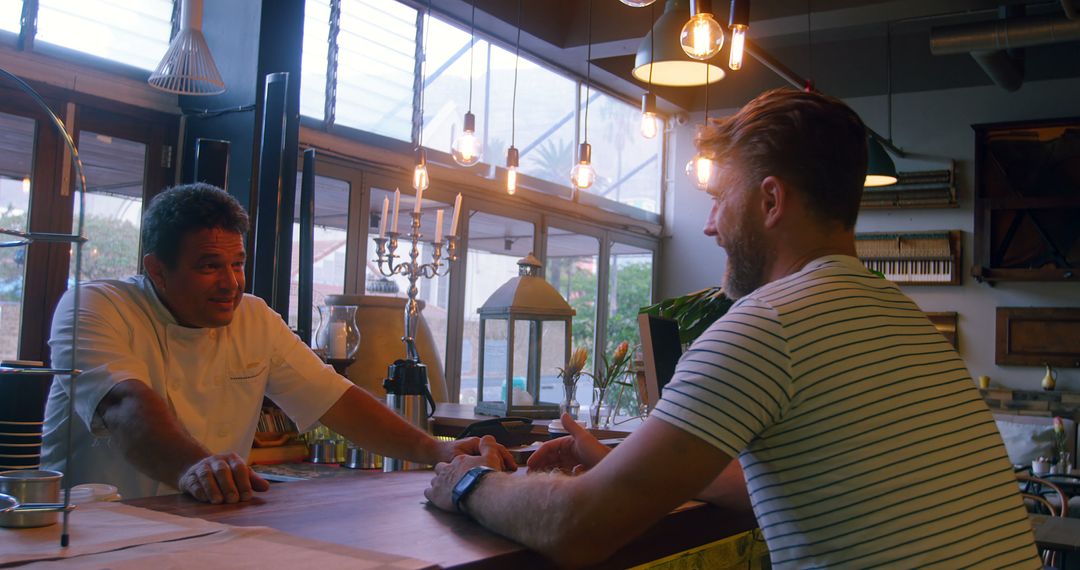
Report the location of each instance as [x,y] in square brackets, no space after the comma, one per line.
[382,219]
[419,199]
[338,335]
[457,212]
[397,200]
[438,225]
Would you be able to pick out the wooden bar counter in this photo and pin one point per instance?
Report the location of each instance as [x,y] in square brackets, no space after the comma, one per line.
[387,512]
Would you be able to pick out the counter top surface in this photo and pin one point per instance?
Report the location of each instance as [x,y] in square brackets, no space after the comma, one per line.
[387,512]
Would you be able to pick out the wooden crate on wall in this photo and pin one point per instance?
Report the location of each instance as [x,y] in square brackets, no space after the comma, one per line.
[1038,336]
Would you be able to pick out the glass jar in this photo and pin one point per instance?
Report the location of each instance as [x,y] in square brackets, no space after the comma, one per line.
[338,337]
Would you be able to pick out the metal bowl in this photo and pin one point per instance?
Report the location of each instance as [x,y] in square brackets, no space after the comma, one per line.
[30,486]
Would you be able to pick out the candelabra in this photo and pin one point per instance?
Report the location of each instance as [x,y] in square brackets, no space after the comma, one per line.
[406,386]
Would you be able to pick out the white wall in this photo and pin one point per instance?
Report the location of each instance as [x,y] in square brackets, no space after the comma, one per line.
[930,123]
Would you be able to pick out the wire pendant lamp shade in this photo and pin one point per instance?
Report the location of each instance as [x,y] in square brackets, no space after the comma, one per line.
[188,68]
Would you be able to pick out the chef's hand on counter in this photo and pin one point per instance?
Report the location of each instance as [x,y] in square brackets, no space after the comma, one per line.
[491,454]
[572,454]
[474,446]
[221,478]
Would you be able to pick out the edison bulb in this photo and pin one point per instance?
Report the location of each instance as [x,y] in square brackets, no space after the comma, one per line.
[702,37]
[26,185]
[466,149]
[420,180]
[738,44]
[650,125]
[638,3]
[511,180]
[703,171]
[582,175]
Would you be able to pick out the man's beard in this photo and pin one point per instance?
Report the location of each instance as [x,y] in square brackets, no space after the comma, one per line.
[746,257]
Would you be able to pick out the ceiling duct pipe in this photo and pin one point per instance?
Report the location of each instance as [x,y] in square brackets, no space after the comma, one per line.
[986,42]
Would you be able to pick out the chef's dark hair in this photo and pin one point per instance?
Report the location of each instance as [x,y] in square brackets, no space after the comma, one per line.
[186,208]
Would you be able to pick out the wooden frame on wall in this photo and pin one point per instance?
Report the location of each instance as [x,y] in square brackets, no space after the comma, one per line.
[1038,336]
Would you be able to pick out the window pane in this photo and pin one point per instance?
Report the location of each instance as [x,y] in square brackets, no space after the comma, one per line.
[135,33]
[544,130]
[114,184]
[572,265]
[496,244]
[446,97]
[16,165]
[376,61]
[629,289]
[627,165]
[313,60]
[10,14]
[435,292]
[331,223]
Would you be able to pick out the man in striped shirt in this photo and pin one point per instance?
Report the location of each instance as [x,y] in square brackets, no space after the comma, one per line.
[861,438]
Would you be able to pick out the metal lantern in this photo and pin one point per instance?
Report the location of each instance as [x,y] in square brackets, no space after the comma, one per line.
[530,303]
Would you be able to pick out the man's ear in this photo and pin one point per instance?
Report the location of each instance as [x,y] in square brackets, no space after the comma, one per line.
[155,269]
[775,200]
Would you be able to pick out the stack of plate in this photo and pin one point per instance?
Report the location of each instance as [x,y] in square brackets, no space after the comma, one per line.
[22,407]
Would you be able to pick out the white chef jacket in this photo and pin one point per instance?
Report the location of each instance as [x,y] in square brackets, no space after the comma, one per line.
[212,379]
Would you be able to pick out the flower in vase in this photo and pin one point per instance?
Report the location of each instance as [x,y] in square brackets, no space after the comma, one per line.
[1059,438]
[572,372]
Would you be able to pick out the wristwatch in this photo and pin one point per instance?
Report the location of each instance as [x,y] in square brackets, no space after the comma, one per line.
[467,484]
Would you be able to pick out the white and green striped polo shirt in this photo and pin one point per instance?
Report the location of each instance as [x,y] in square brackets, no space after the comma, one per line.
[862,438]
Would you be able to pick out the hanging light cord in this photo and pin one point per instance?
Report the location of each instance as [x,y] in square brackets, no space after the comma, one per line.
[517,58]
[472,49]
[652,41]
[707,66]
[888,77]
[588,68]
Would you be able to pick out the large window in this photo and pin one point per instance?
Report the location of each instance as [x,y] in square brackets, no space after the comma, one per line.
[134,33]
[627,165]
[10,16]
[314,58]
[630,277]
[331,226]
[16,168]
[573,267]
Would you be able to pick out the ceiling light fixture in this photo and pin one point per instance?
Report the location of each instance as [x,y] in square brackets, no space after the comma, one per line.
[701,36]
[582,175]
[880,168]
[650,119]
[420,178]
[187,67]
[702,169]
[512,158]
[738,23]
[637,3]
[467,149]
[661,55]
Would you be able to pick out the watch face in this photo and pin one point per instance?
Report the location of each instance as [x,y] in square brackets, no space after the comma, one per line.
[467,483]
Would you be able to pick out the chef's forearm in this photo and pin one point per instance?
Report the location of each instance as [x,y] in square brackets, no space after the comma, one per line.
[369,424]
[148,434]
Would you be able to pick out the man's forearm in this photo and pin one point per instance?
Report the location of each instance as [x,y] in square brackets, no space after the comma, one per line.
[149,436]
[369,424]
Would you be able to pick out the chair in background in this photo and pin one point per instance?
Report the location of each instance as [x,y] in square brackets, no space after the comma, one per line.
[1034,491]
[22,413]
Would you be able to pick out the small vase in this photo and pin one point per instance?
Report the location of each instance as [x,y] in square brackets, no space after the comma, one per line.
[597,410]
[569,405]
[1063,465]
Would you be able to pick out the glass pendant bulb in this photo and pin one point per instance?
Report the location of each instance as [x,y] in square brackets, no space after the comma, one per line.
[702,170]
[511,170]
[650,120]
[420,179]
[702,37]
[466,149]
[638,3]
[582,175]
[738,45]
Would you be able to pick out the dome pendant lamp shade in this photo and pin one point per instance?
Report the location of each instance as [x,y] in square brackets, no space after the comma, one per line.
[880,169]
[661,52]
[188,68]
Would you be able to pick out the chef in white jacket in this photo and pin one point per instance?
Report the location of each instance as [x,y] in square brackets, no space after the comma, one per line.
[176,363]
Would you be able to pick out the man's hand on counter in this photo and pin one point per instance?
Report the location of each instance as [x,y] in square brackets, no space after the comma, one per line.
[491,454]
[221,478]
[571,454]
[474,446]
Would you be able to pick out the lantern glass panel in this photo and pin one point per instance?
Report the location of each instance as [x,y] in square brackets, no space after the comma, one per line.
[495,353]
[552,357]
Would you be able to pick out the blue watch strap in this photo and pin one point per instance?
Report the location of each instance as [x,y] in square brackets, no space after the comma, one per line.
[467,484]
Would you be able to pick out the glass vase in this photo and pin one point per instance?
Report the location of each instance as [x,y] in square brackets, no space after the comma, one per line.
[598,411]
[569,405]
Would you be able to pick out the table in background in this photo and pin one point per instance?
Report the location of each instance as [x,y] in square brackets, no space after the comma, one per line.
[387,512]
[452,419]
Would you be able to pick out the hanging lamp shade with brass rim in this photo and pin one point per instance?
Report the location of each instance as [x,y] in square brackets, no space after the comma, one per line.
[880,169]
[188,68]
[661,51]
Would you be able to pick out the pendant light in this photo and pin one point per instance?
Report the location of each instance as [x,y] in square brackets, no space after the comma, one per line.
[880,168]
[420,178]
[582,175]
[738,23]
[701,36]
[638,3]
[187,67]
[512,152]
[467,149]
[650,119]
[702,169]
[661,54]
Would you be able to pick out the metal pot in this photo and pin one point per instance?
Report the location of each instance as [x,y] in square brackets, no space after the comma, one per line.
[32,486]
[363,459]
[323,451]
